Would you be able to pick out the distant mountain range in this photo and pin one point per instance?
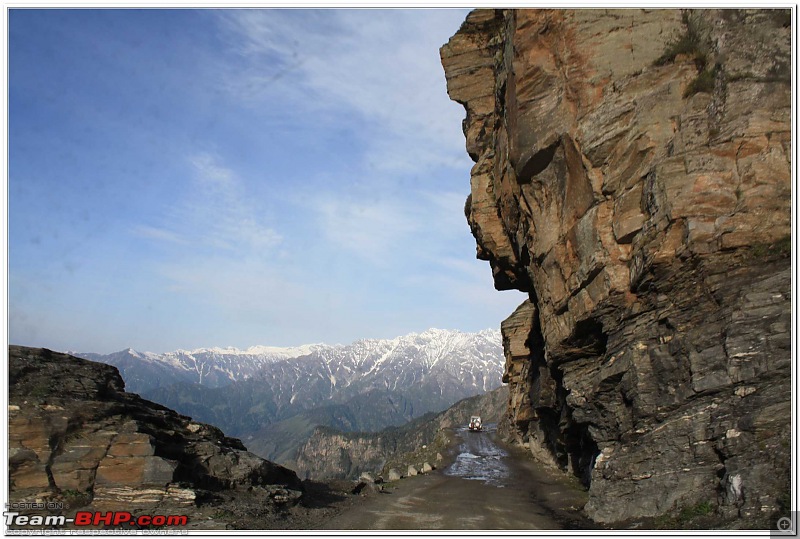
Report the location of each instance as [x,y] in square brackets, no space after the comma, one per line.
[274,398]
[210,367]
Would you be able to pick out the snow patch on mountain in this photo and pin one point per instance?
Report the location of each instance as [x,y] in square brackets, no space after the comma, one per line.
[474,360]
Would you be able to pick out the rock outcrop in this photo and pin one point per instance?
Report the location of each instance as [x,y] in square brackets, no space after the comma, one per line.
[332,454]
[77,437]
[633,177]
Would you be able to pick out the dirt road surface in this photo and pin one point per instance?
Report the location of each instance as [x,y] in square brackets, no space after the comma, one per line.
[486,487]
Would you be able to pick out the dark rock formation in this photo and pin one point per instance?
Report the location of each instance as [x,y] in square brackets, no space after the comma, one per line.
[633,177]
[75,435]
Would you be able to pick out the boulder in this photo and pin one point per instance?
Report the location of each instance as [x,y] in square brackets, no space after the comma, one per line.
[364,488]
[366,477]
[284,496]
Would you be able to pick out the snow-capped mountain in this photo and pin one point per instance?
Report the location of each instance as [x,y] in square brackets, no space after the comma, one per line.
[468,359]
[444,362]
[211,367]
[273,398]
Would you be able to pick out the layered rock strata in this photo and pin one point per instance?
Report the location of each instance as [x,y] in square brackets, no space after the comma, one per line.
[632,175]
[76,436]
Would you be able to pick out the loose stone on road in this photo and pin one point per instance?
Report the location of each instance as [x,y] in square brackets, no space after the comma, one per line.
[487,487]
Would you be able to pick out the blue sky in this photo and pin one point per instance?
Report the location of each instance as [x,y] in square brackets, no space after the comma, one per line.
[193,178]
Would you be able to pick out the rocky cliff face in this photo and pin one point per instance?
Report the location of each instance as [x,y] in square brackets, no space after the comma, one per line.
[77,437]
[633,177]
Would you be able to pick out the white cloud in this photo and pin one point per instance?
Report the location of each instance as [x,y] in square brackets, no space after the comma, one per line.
[159,234]
[355,238]
[391,228]
[469,282]
[378,66]
[388,208]
[221,212]
[239,288]
[371,229]
[448,209]
[215,213]
[211,174]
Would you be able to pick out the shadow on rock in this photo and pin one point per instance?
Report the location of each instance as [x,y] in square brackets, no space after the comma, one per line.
[323,495]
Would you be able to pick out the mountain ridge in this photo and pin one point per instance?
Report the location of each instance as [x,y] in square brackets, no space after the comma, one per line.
[275,403]
[219,366]
[408,375]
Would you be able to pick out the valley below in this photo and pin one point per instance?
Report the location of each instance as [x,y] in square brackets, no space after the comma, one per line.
[275,399]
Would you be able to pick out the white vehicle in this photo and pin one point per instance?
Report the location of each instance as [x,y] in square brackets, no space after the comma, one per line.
[475,423]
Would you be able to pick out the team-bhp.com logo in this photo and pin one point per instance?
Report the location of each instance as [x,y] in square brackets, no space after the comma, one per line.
[96,518]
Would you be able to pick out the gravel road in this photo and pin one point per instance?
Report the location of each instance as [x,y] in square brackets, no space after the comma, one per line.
[487,486]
